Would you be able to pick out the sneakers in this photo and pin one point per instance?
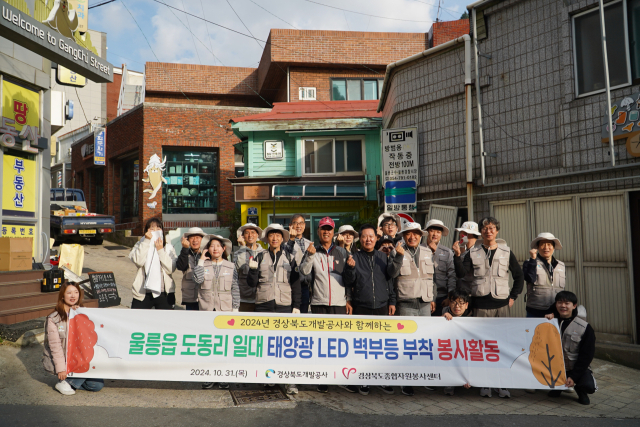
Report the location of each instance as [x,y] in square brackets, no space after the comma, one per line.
[65,388]
[364,390]
[503,392]
[448,391]
[207,386]
[223,386]
[349,388]
[292,389]
[323,389]
[386,389]
[485,392]
[554,393]
[429,388]
[583,397]
[407,390]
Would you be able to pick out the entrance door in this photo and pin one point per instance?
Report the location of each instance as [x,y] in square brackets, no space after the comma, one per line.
[100,192]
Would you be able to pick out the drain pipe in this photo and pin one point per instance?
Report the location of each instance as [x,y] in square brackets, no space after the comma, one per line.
[480,125]
[468,125]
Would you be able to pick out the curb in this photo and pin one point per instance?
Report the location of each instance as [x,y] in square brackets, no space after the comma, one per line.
[622,354]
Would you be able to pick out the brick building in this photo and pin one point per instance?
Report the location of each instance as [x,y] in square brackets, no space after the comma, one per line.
[545,163]
[186,113]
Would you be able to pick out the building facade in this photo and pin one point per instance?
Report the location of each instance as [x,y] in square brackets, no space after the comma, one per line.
[544,164]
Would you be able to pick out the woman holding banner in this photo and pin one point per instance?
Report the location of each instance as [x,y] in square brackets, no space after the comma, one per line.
[56,328]
[153,286]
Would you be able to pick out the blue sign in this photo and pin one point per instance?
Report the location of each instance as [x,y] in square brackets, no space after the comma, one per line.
[252,211]
[99,141]
[400,192]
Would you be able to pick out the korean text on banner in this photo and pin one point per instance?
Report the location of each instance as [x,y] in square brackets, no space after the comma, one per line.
[20,117]
[18,187]
[99,152]
[314,349]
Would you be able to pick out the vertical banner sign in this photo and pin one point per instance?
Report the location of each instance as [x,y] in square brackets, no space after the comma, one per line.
[400,159]
[99,146]
[213,346]
[20,117]
[18,187]
[82,12]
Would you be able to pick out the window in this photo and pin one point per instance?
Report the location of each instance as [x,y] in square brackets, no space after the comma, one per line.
[330,156]
[588,61]
[355,89]
[307,93]
[192,182]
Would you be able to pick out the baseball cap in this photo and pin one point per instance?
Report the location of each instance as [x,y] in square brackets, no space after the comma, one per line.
[386,239]
[327,221]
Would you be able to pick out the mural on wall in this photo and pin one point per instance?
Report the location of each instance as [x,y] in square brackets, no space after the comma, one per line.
[625,116]
[154,171]
[62,19]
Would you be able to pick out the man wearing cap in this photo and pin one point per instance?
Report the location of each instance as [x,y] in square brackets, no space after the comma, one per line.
[412,269]
[491,263]
[445,272]
[248,236]
[544,274]
[299,244]
[322,268]
[187,260]
[388,225]
[469,235]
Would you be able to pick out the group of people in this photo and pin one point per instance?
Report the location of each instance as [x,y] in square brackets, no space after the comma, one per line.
[398,269]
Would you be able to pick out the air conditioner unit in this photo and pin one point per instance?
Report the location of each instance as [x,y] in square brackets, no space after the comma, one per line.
[307,94]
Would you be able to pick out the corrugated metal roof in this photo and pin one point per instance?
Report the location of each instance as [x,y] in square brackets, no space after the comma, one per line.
[311,110]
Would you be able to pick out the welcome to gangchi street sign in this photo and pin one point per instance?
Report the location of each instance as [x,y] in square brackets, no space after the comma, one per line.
[53,39]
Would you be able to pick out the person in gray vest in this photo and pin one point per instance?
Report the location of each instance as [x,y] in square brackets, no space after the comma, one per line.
[188,258]
[578,345]
[491,263]
[248,236]
[217,281]
[275,275]
[297,225]
[412,269]
[445,273]
[544,274]
[468,237]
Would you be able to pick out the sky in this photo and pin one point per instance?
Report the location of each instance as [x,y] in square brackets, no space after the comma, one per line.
[159,30]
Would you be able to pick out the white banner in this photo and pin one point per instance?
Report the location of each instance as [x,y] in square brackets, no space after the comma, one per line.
[314,349]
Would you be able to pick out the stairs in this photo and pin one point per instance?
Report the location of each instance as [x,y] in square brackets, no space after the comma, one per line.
[21,299]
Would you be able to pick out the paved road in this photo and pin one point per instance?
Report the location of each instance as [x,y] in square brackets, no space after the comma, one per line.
[306,414]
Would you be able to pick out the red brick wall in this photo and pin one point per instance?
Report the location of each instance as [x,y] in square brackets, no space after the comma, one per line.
[200,79]
[113,94]
[221,100]
[442,32]
[320,78]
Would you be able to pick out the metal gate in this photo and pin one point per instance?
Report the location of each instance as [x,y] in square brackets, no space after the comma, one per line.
[448,215]
[596,248]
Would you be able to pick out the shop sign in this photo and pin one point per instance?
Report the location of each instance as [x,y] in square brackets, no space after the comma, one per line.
[81,7]
[20,117]
[99,144]
[53,39]
[86,150]
[400,169]
[252,211]
[256,192]
[18,186]
[66,77]
[273,150]
[10,229]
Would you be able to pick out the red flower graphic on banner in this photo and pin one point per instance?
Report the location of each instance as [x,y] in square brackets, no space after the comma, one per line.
[82,338]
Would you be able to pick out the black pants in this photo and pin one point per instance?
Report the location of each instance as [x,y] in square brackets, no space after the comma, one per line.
[304,304]
[191,306]
[328,309]
[149,302]
[438,311]
[272,307]
[587,383]
[363,311]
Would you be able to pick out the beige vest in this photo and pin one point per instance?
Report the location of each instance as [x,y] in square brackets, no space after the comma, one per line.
[492,279]
[542,294]
[571,341]
[61,326]
[215,292]
[189,286]
[273,283]
[416,281]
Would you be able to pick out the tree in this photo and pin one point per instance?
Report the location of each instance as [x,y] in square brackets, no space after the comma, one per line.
[465,15]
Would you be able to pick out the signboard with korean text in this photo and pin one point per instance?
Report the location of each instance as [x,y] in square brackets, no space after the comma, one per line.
[273,150]
[104,288]
[209,346]
[20,117]
[17,229]
[400,160]
[18,187]
[99,146]
[66,77]
[82,11]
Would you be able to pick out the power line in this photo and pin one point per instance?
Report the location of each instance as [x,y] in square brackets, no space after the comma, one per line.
[101,4]
[194,42]
[274,15]
[208,33]
[365,14]
[243,24]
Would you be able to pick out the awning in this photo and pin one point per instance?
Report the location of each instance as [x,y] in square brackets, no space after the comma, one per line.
[348,191]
